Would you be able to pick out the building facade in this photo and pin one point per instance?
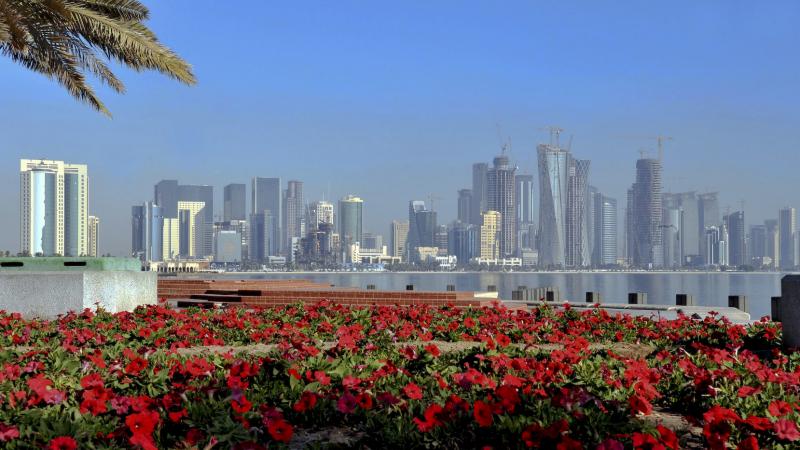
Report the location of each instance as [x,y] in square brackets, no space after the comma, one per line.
[490,235]
[351,211]
[737,238]
[480,193]
[266,202]
[501,192]
[94,235]
[465,205]
[398,237]
[234,202]
[421,228]
[645,220]
[147,223]
[293,214]
[787,238]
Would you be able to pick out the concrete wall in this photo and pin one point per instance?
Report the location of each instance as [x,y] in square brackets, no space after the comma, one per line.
[790,310]
[48,294]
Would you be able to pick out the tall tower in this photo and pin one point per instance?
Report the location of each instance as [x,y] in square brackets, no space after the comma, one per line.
[147,225]
[398,236]
[604,209]
[266,201]
[421,228]
[577,252]
[465,203]
[480,191]
[554,165]
[646,215]
[54,208]
[501,198]
[490,235]
[293,213]
[787,236]
[94,235]
[351,210]
[524,208]
[320,212]
[234,202]
[734,222]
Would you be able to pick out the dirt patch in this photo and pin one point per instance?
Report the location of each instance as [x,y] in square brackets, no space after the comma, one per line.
[337,437]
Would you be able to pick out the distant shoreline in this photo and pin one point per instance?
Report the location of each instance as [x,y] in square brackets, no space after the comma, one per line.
[564,272]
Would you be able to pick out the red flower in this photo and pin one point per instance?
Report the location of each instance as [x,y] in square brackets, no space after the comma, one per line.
[322,378]
[433,418]
[41,386]
[759,423]
[94,401]
[307,401]
[508,396]
[433,350]
[567,443]
[482,413]
[644,441]
[92,380]
[640,405]
[746,391]
[412,391]
[136,366]
[748,443]
[779,408]
[502,340]
[280,430]
[364,401]
[142,423]
[787,430]
[241,406]
[346,403]
[610,444]
[62,443]
[8,432]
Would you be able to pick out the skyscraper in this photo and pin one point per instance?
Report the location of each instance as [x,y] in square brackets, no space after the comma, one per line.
[464,242]
[147,224]
[398,236]
[490,235]
[465,205]
[757,248]
[235,202]
[480,193]
[787,230]
[192,223]
[501,198]
[563,209]
[645,215]
[351,210]
[320,212]
[421,228]
[524,206]
[168,193]
[54,208]
[734,222]
[94,235]
[604,228]
[166,196]
[690,229]
[773,242]
[293,214]
[266,200]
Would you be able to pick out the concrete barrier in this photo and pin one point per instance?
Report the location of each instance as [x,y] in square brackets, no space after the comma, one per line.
[738,301]
[637,298]
[593,297]
[684,300]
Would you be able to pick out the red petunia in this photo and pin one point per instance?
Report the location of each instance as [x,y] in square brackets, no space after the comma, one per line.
[322,378]
[8,432]
[62,443]
[412,391]
[142,423]
[92,380]
[433,418]
[346,403]
[280,430]
[502,340]
[567,443]
[640,405]
[610,444]
[779,408]
[241,406]
[748,443]
[482,413]
[433,350]
[759,423]
[364,401]
[306,402]
[136,366]
[94,401]
[786,430]
[668,437]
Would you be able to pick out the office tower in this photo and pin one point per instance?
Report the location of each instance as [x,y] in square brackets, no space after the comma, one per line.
[773,242]
[94,235]
[563,211]
[604,228]
[371,241]
[398,236]
[757,244]
[671,230]
[440,239]
[490,235]
[464,242]
[708,212]
[714,241]
[293,214]
[54,208]
[227,246]
[351,210]
[645,219]
[465,205]
[192,232]
[523,198]
[170,239]
[266,196]
[691,229]
[166,196]
[421,228]
[480,193]
[320,212]
[234,202]
[147,224]
[787,230]
[262,232]
[317,246]
[734,223]
[501,198]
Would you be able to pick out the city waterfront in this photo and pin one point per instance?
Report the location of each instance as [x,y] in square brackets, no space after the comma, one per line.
[707,288]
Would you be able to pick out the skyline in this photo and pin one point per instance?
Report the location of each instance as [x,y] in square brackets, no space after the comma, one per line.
[416,107]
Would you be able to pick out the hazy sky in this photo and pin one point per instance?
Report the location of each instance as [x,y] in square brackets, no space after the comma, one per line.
[393,101]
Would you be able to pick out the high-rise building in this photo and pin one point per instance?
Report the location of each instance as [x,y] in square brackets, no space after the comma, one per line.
[421,228]
[398,236]
[500,181]
[167,195]
[94,235]
[563,210]
[235,202]
[787,230]
[266,201]
[170,238]
[604,229]
[757,244]
[671,232]
[371,241]
[464,242]
[192,217]
[147,223]
[708,213]
[524,206]
[480,192]
[645,215]
[320,212]
[716,244]
[227,246]
[351,210]
[773,242]
[690,229]
[293,214]
[440,239]
[262,233]
[490,235]
[54,208]
[734,223]
[464,205]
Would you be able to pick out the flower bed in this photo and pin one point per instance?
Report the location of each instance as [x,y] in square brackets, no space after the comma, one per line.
[376,378]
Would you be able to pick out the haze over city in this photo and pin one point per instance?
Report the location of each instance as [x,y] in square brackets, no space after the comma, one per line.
[393,104]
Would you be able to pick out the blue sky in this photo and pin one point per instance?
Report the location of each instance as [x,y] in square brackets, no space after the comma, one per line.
[393,101]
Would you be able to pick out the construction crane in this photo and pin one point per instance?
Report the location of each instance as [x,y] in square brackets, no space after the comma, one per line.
[660,139]
[555,132]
